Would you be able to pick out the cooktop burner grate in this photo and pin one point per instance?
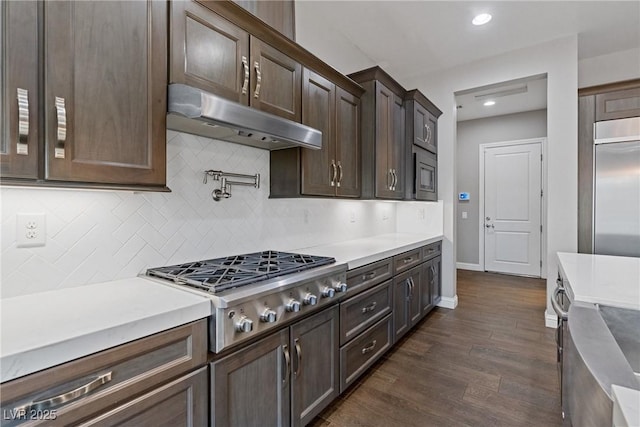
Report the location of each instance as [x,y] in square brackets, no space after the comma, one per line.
[219,274]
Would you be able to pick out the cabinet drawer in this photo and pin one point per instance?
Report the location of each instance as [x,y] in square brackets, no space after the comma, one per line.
[363,310]
[407,260]
[363,351]
[183,402]
[363,278]
[432,250]
[109,377]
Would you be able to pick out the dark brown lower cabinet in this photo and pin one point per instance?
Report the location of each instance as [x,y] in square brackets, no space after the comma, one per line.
[406,303]
[182,402]
[284,379]
[435,279]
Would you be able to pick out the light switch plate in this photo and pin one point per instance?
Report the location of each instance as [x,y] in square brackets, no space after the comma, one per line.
[30,230]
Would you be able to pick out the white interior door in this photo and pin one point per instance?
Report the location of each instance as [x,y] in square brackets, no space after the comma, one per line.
[512,205]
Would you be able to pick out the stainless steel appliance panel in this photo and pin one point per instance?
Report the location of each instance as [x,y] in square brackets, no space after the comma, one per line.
[616,223]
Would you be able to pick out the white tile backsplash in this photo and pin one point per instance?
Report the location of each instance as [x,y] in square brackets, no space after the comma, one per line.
[95,236]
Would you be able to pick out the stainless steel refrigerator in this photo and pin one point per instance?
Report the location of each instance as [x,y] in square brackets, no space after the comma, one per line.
[616,198]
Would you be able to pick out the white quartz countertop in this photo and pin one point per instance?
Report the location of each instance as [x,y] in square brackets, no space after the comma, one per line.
[45,329]
[359,252]
[603,279]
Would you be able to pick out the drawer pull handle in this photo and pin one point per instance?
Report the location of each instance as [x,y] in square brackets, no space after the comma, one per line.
[65,397]
[369,308]
[256,65]
[299,356]
[61,131]
[287,359]
[245,82]
[431,250]
[370,347]
[407,259]
[22,147]
[369,276]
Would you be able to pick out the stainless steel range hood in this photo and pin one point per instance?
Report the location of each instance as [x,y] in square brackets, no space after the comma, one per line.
[198,112]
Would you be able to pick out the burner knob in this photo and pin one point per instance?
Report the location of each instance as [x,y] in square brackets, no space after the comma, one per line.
[244,324]
[340,287]
[328,292]
[292,306]
[268,316]
[310,299]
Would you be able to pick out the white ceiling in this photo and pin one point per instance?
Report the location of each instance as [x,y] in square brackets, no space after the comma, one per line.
[415,38]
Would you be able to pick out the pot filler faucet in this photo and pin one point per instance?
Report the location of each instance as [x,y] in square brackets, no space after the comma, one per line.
[224,192]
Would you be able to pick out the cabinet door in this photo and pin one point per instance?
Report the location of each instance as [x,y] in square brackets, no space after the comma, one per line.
[384,141]
[401,287]
[436,283]
[315,379]
[397,149]
[420,125]
[618,105]
[415,300]
[105,99]
[251,386]
[19,89]
[347,143]
[280,14]
[209,52]
[426,176]
[426,283]
[182,402]
[319,169]
[276,86]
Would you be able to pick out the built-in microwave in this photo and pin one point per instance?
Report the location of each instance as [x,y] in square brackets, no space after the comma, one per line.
[425,174]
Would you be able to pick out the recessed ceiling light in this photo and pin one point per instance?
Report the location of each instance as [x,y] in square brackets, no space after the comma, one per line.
[489,103]
[481,19]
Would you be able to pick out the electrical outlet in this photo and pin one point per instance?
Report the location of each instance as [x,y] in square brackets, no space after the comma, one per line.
[385,215]
[305,216]
[30,230]
[421,213]
[464,215]
[352,216]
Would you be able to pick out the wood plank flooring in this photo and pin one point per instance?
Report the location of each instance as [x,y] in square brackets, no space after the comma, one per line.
[489,362]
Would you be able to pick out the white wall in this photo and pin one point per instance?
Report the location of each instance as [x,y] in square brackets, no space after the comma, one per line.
[613,67]
[95,236]
[472,133]
[559,60]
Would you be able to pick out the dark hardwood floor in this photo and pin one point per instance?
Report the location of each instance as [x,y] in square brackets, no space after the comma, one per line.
[489,362]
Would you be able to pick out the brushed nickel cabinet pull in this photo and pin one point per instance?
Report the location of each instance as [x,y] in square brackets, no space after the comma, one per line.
[22,147]
[407,260]
[369,276]
[61,136]
[256,65]
[370,347]
[369,307]
[299,356]
[390,175]
[287,359]
[245,67]
[334,173]
[340,176]
[395,179]
[65,397]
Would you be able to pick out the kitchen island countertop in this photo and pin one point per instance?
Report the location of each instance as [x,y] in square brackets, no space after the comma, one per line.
[49,328]
[359,252]
[602,279]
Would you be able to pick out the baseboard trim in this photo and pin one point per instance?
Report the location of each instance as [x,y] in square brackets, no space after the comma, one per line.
[468,266]
[550,320]
[447,302]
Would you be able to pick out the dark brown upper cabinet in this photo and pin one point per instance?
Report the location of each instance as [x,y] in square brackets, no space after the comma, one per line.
[278,14]
[620,104]
[422,121]
[105,91]
[103,97]
[215,55]
[333,170]
[383,135]
[19,149]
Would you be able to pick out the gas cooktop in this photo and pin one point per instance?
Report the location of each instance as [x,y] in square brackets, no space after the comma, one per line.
[219,274]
